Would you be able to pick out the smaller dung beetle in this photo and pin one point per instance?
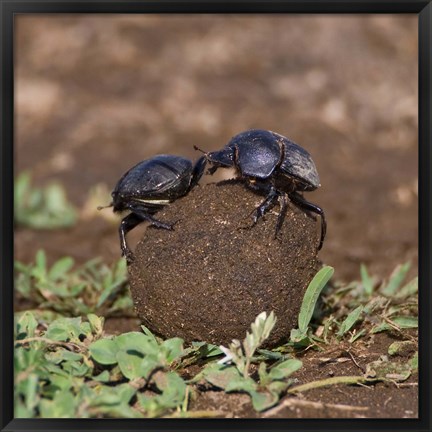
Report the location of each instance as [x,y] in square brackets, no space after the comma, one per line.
[274,165]
[149,186]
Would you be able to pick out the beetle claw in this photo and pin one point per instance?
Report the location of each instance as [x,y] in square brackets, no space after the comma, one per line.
[171,227]
[130,259]
[129,256]
[248,226]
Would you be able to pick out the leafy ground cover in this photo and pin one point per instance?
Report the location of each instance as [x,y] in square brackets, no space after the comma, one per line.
[68,365]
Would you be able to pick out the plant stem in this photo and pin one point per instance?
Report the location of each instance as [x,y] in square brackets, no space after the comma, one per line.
[330,381]
[68,345]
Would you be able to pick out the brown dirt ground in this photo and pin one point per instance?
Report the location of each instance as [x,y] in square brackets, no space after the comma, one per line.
[381,400]
[96,94]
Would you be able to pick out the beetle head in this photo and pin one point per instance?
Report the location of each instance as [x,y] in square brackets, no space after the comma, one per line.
[117,203]
[221,158]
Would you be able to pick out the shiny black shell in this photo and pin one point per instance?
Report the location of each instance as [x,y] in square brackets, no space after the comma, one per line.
[154,182]
[257,153]
[298,163]
[261,154]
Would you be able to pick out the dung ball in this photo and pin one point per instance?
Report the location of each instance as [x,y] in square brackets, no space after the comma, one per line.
[210,277]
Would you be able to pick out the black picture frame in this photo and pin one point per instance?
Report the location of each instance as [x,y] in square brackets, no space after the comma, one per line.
[9,9]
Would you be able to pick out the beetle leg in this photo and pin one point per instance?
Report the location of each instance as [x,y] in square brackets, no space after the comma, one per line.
[128,223]
[301,202]
[145,216]
[282,212]
[265,205]
[212,169]
[198,171]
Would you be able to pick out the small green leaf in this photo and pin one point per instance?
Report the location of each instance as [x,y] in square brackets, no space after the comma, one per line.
[136,341]
[58,382]
[366,280]
[106,399]
[55,369]
[405,321]
[64,329]
[299,337]
[173,395]
[61,355]
[396,279]
[387,370]
[220,375]
[210,350]
[174,348]
[21,187]
[126,392]
[173,392]
[410,289]
[413,363]
[107,292]
[62,406]
[311,296]
[130,363]
[356,336]
[104,351]
[41,208]
[20,410]
[26,325]
[264,378]
[260,331]
[25,359]
[271,355]
[123,303]
[148,365]
[148,333]
[278,387]
[285,369]
[113,401]
[350,320]
[400,322]
[30,392]
[41,263]
[75,368]
[263,400]
[96,323]
[102,377]
[241,383]
[402,347]
[60,268]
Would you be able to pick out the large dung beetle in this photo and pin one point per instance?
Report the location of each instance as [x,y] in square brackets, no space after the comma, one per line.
[149,186]
[274,165]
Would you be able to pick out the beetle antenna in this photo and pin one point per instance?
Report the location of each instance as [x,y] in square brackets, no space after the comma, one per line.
[197,148]
[104,207]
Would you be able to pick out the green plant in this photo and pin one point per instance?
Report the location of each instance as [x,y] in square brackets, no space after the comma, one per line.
[400,311]
[391,288]
[42,208]
[72,369]
[137,354]
[232,373]
[67,366]
[366,307]
[93,287]
[302,334]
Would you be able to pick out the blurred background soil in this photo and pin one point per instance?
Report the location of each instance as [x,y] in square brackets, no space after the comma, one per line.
[96,94]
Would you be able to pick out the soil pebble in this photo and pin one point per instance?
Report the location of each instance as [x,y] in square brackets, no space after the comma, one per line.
[210,277]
